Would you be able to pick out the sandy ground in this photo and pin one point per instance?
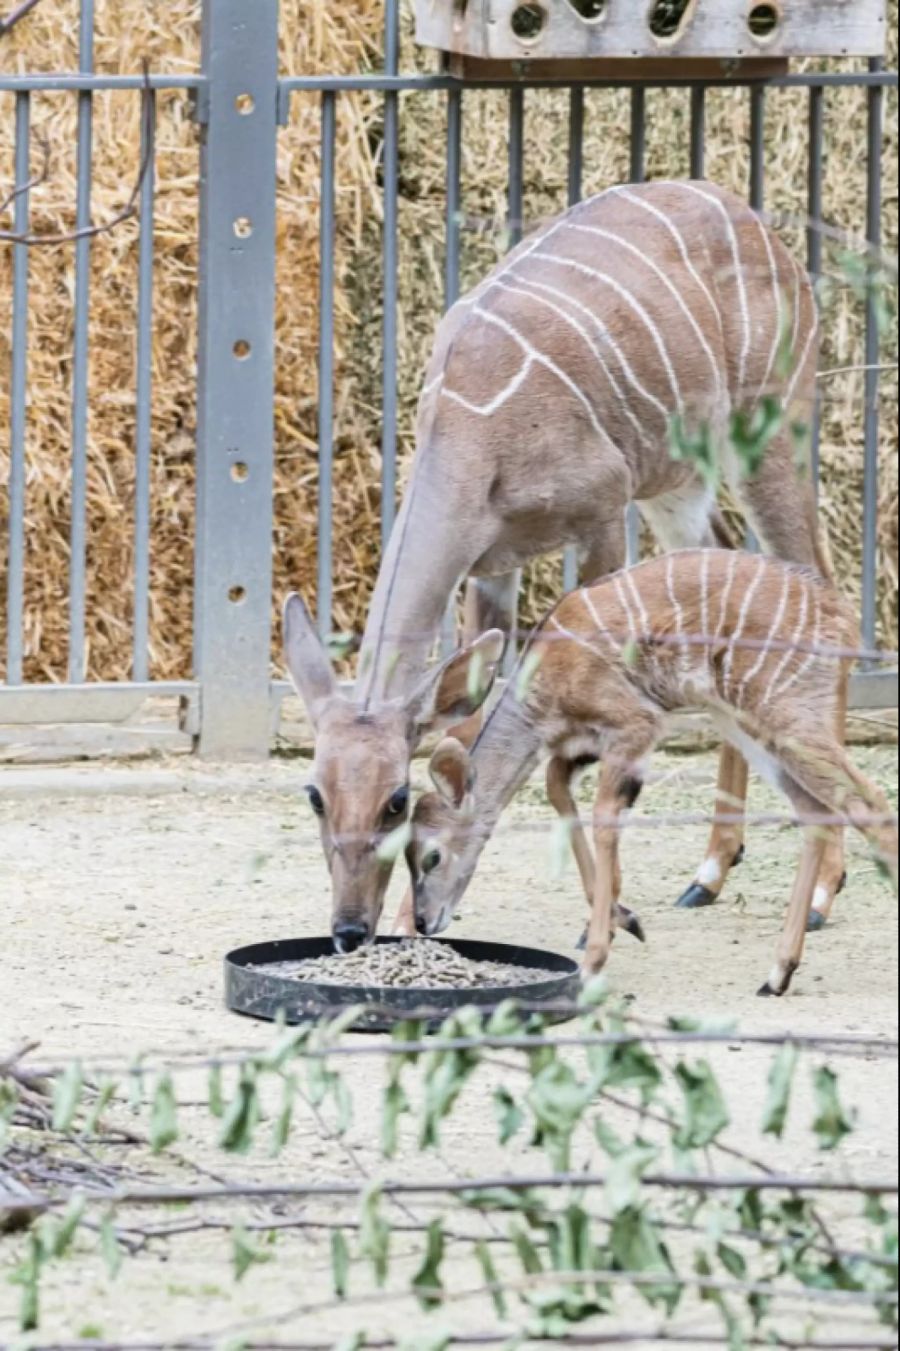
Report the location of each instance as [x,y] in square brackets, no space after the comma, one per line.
[122,888]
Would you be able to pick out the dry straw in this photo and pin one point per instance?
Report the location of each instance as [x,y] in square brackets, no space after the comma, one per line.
[340,36]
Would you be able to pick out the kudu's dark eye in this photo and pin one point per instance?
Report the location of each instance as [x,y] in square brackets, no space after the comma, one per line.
[431,860]
[316,800]
[397,804]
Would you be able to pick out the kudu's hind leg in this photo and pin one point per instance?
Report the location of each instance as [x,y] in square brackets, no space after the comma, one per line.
[832,875]
[726,841]
[560,773]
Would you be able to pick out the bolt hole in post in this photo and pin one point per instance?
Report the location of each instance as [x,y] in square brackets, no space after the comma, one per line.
[240,472]
[528,22]
[764,21]
[244,104]
[241,349]
[592,11]
[243,227]
[668,18]
[237,595]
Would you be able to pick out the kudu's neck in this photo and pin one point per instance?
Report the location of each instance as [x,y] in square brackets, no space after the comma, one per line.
[427,555]
[504,755]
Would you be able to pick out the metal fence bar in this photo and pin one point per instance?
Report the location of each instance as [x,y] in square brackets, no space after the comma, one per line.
[80,358]
[698,131]
[515,189]
[143,406]
[872,350]
[575,177]
[814,236]
[233,566]
[452,271]
[391,194]
[406,82]
[15,578]
[326,363]
[757,147]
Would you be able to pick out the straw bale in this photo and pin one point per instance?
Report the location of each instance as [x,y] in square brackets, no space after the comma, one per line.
[341,36]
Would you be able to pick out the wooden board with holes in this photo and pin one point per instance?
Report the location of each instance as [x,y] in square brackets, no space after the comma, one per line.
[538,30]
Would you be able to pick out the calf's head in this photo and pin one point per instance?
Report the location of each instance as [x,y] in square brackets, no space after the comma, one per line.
[359,783]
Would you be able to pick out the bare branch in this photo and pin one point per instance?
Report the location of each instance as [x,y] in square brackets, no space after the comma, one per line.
[130,208]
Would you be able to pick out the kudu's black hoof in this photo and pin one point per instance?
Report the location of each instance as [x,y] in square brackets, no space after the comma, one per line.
[842,883]
[739,857]
[697,897]
[766,992]
[816,921]
[634,927]
[581,945]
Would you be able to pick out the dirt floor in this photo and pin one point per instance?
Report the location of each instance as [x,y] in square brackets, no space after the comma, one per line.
[122,888]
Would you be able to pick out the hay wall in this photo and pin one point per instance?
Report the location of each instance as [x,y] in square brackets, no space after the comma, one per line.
[341,36]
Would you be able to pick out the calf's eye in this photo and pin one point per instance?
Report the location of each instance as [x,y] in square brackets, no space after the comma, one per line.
[398,803]
[315,800]
[431,860]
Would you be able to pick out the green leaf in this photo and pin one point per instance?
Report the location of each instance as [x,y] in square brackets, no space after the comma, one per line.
[57,1237]
[696,448]
[340,1264]
[281,1131]
[105,1094]
[475,683]
[625,1175]
[510,1116]
[832,1123]
[526,1250]
[491,1278]
[352,1342]
[752,433]
[394,1104]
[394,844]
[781,1081]
[560,846]
[525,673]
[706,1114]
[636,1245]
[110,1247]
[28,1276]
[163,1115]
[427,1280]
[558,1101]
[627,1065]
[214,1091]
[733,1261]
[136,1085]
[242,1116]
[67,1090]
[374,1234]
[245,1253]
[427,1341]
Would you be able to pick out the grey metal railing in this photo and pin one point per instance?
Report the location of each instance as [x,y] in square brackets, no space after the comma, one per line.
[240,104]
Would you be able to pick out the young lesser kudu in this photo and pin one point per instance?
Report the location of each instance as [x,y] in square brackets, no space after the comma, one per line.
[547,408]
[607,665]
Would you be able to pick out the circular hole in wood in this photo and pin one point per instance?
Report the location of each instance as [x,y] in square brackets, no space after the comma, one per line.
[244,104]
[528,21]
[241,349]
[667,17]
[763,20]
[243,227]
[589,10]
[240,472]
[237,595]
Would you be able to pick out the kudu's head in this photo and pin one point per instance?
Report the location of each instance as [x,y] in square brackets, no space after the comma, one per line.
[359,783]
[445,842]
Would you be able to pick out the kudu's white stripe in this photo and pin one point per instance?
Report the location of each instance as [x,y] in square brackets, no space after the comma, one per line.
[487,409]
[704,595]
[540,359]
[739,276]
[658,272]
[811,657]
[627,368]
[801,364]
[742,620]
[639,602]
[779,303]
[726,594]
[623,601]
[432,385]
[677,611]
[792,649]
[766,650]
[573,637]
[606,280]
[638,200]
[597,618]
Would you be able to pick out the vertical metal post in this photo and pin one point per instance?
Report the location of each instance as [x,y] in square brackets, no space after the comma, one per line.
[452,268]
[391,175]
[325,559]
[143,402]
[757,146]
[698,131]
[78,525]
[814,233]
[637,174]
[515,192]
[576,168]
[15,576]
[233,566]
[872,351]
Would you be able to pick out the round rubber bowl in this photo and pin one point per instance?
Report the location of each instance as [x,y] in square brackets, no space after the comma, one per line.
[253,988]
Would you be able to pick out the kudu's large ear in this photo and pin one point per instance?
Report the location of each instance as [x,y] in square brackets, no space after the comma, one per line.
[451,771]
[307,661]
[458,688]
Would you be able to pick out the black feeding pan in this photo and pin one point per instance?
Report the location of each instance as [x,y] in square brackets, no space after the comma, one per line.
[260,993]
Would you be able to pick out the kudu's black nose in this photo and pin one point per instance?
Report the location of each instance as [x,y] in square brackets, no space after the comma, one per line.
[421,926]
[350,936]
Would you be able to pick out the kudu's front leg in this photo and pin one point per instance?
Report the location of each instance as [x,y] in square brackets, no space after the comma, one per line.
[726,842]
[560,773]
[616,792]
